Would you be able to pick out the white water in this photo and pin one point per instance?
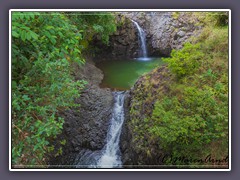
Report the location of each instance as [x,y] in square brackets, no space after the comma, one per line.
[142,38]
[111,157]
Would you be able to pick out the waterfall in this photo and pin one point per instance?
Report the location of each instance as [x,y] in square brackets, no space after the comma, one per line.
[110,155]
[142,38]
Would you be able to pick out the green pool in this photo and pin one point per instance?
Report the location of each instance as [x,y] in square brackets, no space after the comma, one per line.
[122,74]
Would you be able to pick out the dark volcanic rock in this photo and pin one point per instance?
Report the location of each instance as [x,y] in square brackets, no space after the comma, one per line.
[138,146]
[123,43]
[85,127]
[126,135]
[164,31]
[88,125]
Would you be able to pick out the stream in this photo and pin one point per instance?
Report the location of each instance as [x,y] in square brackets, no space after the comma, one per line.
[110,155]
[119,75]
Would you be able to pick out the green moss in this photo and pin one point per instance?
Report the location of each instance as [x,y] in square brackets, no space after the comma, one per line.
[175,15]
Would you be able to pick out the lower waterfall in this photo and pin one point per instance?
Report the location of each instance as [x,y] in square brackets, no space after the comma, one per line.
[110,155]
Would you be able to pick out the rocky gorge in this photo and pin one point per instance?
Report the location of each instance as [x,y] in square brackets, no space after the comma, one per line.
[85,128]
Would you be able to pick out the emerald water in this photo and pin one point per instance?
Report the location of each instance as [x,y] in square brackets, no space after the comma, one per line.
[122,74]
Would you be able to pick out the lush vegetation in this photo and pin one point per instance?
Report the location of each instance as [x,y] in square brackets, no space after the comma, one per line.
[44,46]
[190,109]
[180,109]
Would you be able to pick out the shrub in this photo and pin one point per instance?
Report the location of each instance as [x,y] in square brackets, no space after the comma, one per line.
[185,61]
[44,45]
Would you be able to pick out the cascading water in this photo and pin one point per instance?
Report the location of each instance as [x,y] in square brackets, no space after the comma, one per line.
[142,39]
[110,155]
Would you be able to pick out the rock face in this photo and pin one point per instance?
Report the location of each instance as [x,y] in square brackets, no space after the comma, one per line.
[171,32]
[137,145]
[164,31]
[85,127]
[123,43]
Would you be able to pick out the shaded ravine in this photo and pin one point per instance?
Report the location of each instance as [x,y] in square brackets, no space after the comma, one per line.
[86,129]
[110,155]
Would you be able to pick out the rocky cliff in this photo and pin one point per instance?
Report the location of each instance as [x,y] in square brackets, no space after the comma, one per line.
[85,127]
[164,31]
[122,44]
[137,145]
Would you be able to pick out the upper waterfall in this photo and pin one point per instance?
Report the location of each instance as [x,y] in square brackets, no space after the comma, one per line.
[142,37]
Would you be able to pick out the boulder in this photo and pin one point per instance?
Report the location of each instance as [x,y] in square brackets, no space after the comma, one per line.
[85,127]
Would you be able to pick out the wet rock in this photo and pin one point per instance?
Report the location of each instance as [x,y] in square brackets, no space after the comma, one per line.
[86,157]
[123,43]
[85,127]
[163,32]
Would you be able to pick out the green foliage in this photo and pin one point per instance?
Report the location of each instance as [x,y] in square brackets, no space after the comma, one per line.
[44,45]
[193,117]
[175,15]
[190,112]
[193,120]
[99,24]
[211,19]
[63,142]
[185,61]
[215,41]
[216,18]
